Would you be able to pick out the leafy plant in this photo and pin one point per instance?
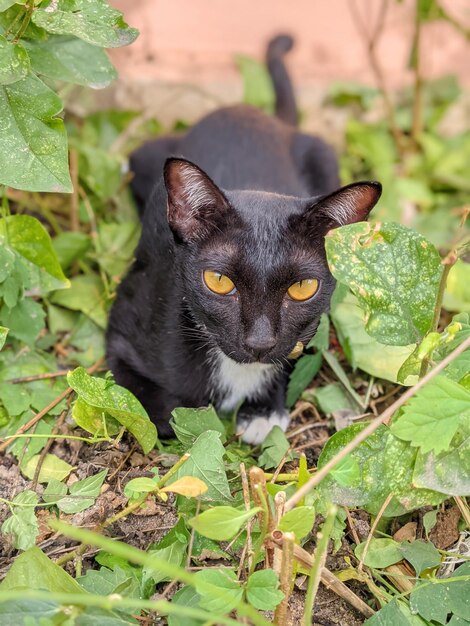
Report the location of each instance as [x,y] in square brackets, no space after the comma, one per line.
[247,518]
[61,42]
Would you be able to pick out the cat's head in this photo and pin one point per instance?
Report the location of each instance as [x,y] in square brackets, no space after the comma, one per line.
[252,264]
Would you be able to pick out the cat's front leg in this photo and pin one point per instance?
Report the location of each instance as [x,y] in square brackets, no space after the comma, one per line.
[255,420]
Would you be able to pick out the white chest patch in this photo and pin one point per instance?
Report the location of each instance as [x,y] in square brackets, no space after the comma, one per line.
[235,382]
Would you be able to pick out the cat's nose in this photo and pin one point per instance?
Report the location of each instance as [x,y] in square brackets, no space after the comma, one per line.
[261,339]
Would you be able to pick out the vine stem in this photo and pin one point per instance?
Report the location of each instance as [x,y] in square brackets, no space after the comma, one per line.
[372,427]
[448,262]
[25,22]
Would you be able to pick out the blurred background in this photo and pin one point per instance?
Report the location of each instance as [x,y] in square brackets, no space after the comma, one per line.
[183,64]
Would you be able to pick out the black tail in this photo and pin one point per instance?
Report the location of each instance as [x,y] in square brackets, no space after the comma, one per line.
[286,107]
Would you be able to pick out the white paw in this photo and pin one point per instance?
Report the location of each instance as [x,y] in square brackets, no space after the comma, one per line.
[255,430]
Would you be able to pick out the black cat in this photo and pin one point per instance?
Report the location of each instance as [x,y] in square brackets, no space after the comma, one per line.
[230,272]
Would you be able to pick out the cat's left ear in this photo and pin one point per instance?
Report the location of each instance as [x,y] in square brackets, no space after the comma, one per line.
[348,205]
[195,203]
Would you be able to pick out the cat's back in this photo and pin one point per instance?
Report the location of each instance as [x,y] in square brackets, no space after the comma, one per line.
[241,147]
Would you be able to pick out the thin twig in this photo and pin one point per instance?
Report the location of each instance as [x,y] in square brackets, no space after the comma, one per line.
[352,526]
[46,448]
[191,539]
[327,578]
[372,427]
[34,420]
[246,499]
[372,530]
[372,39]
[318,563]
[46,376]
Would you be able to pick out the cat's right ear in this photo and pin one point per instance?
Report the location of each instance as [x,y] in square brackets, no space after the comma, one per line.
[195,203]
[347,205]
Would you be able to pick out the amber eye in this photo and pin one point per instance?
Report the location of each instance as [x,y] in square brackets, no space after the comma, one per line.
[303,289]
[218,283]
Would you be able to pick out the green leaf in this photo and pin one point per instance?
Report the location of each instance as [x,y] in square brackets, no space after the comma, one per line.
[262,590]
[27,236]
[174,553]
[221,580]
[94,22]
[101,171]
[333,398]
[6,4]
[34,570]
[51,467]
[298,521]
[435,599]
[304,371]
[22,525]
[321,339]
[347,472]
[118,402]
[33,143]
[384,455]
[420,554]
[429,521]
[431,418]
[171,549]
[3,336]
[29,612]
[116,242]
[72,61]
[447,472]
[393,271]
[187,597]
[70,246]
[381,553]
[457,293]
[54,491]
[188,424]
[82,494]
[222,522]
[274,448]
[257,85]
[106,581]
[206,462]
[25,320]
[362,350]
[86,295]
[94,420]
[461,365]
[15,398]
[14,61]
[137,486]
[395,613]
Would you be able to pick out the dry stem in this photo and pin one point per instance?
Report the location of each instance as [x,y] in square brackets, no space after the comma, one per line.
[327,578]
[372,530]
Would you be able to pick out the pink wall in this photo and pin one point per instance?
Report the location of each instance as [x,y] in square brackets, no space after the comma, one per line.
[194,41]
